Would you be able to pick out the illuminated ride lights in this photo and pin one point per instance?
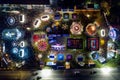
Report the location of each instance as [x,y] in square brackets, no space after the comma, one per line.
[14,43]
[50,63]
[45,17]
[19,53]
[15,50]
[22,44]
[93,44]
[38,36]
[11,20]
[111,46]
[69,57]
[60,57]
[102,42]
[74,16]
[66,16]
[12,34]
[35,37]
[101,59]
[52,56]
[23,53]
[91,29]
[103,33]
[64,26]
[76,28]
[94,55]
[21,18]
[110,54]
[48,29]
[58,47]
[113,33]
[42,45]
[79,58]
[67,65]
[74,43]
[3,48]
[37,23]
[57,16]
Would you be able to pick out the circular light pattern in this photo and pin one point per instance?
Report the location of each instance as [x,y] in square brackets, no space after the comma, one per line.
[91,29]
[69,57]
[80,58]
[40,56]
[15,50]
[42,45]
[102,42]
[94,55]
[76,28]
[11,20]
[60,57]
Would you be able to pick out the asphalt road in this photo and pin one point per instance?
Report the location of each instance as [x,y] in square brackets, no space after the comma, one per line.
[86,74]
